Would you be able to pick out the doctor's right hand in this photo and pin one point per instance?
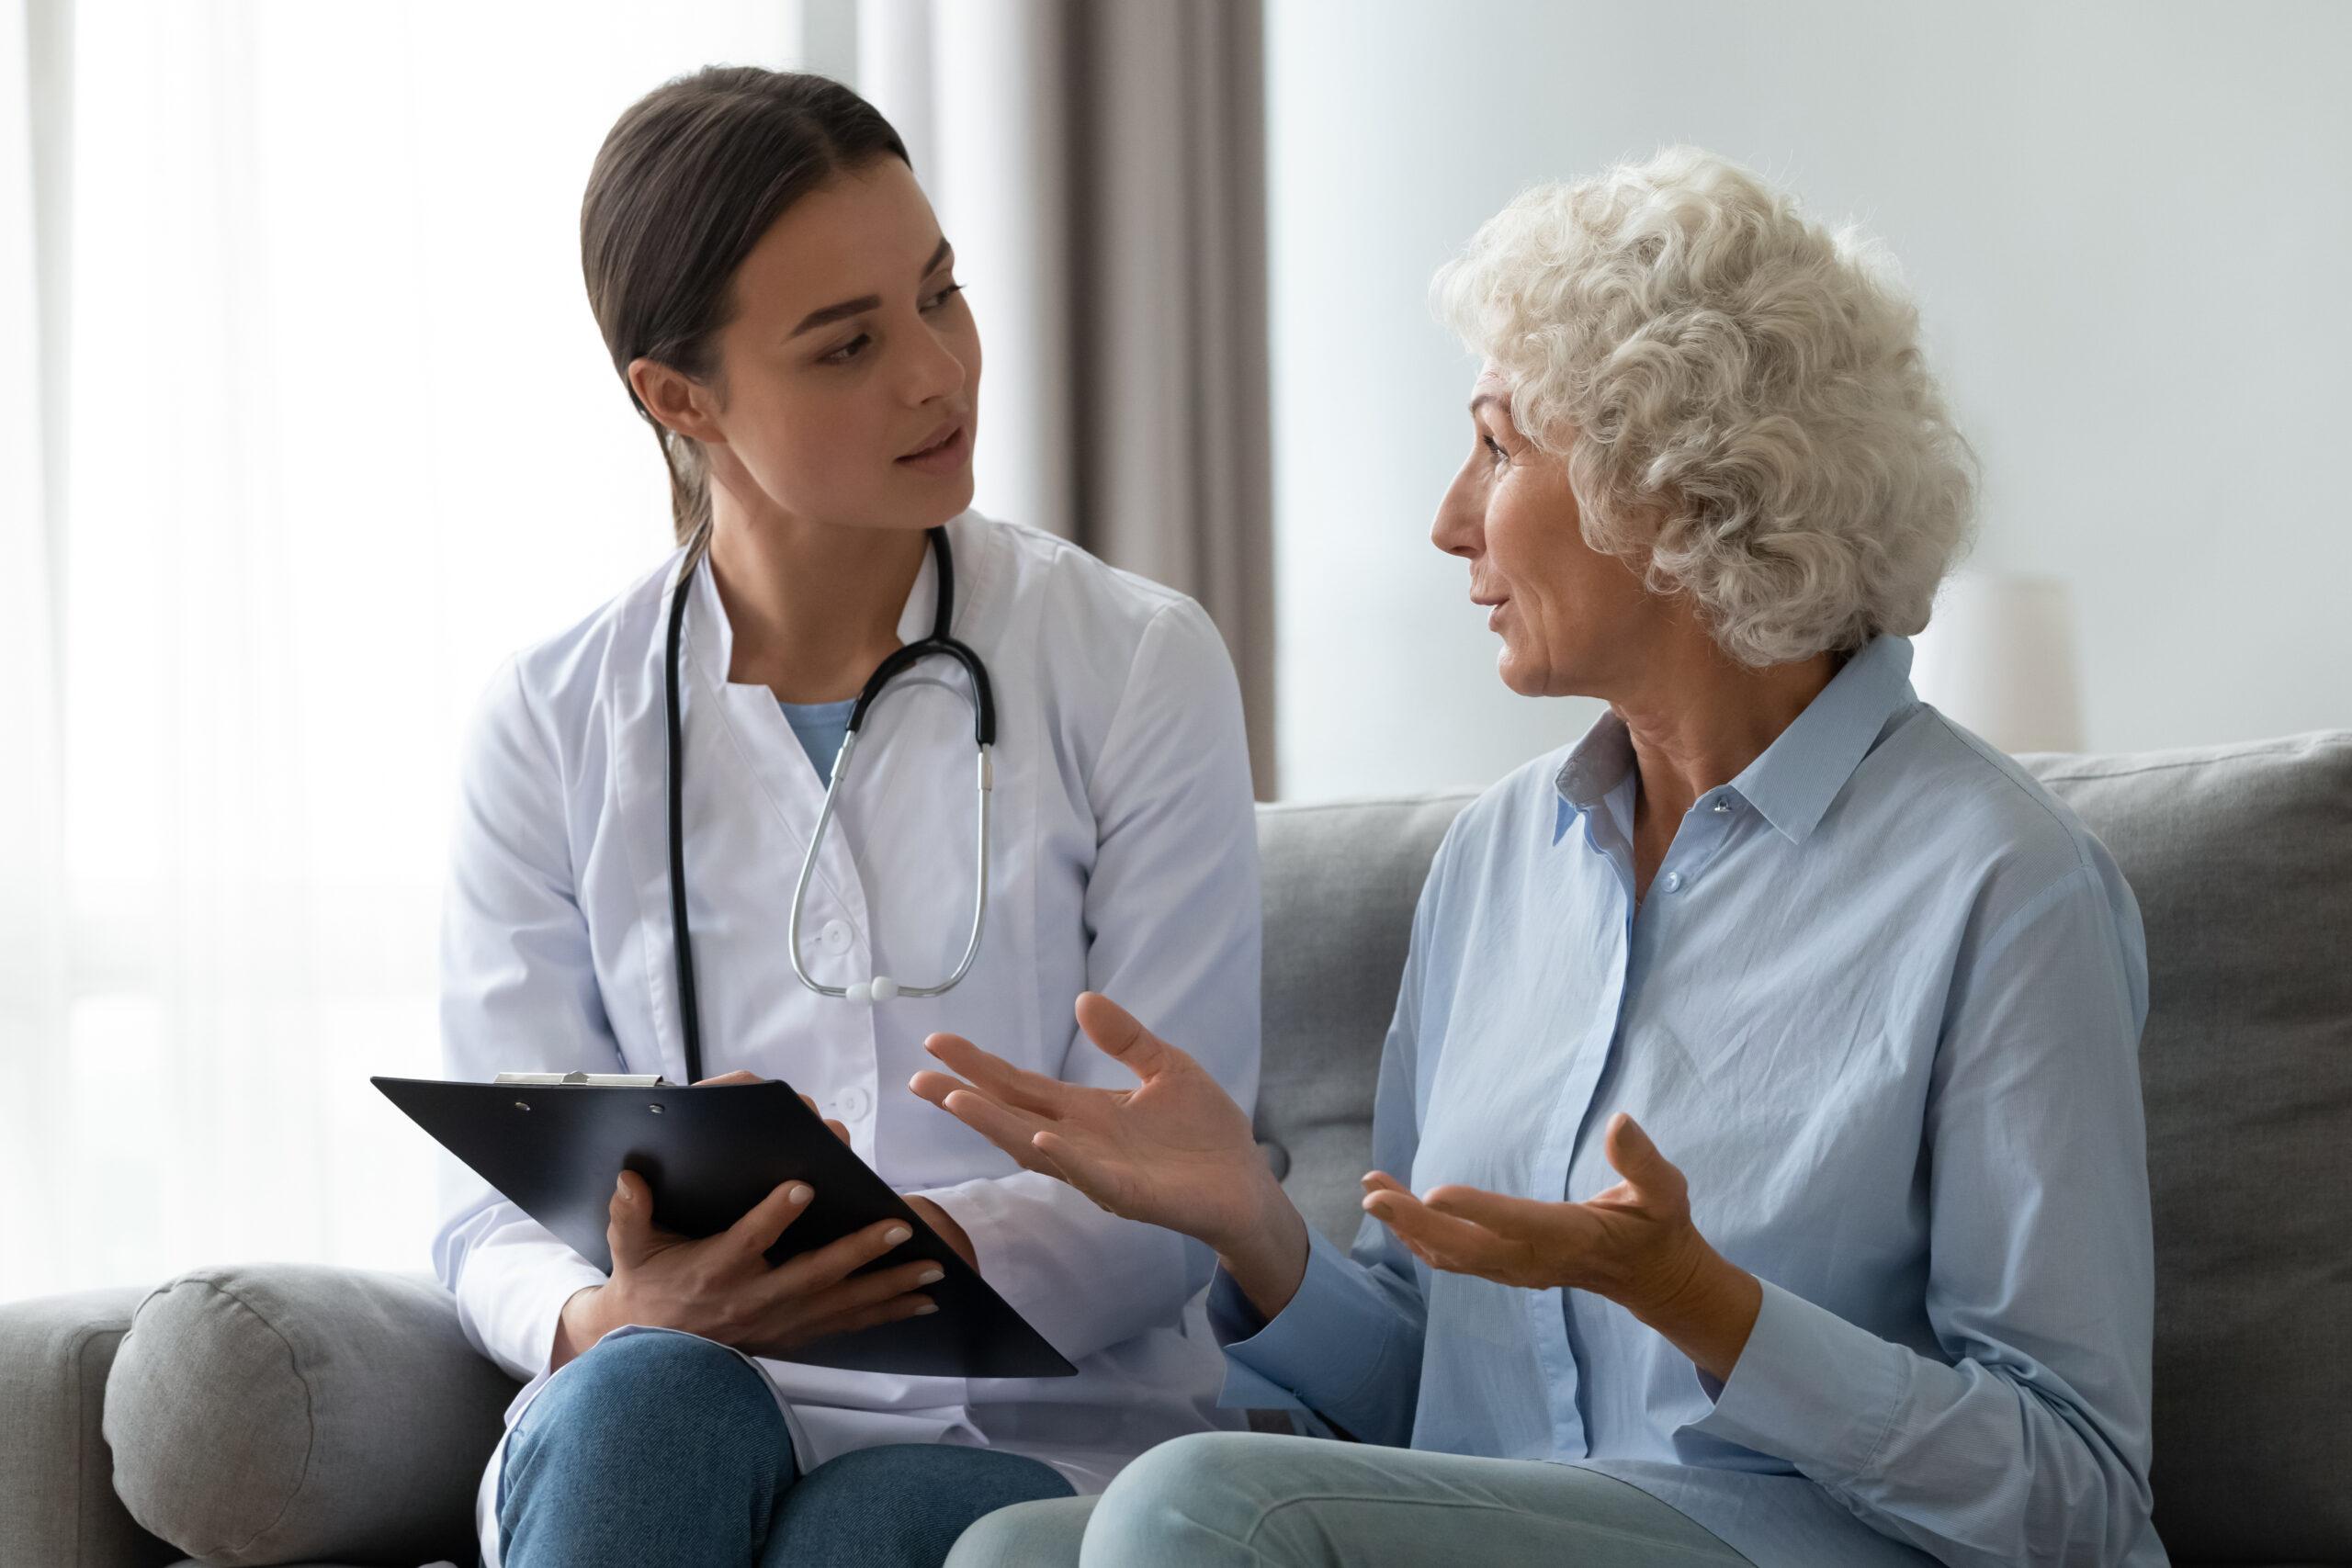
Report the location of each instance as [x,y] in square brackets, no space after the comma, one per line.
[1174,1151]
[722,1287]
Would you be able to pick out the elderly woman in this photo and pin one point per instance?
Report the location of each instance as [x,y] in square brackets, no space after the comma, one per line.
[1761,1172]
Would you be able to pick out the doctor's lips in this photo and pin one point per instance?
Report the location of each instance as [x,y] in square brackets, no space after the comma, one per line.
[944,451]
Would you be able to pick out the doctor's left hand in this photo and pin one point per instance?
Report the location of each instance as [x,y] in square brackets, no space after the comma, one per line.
[933,1215]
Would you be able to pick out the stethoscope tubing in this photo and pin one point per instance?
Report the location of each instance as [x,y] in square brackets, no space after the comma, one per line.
[880,988]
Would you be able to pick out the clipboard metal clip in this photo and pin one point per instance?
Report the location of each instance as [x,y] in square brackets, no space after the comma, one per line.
[593,1080]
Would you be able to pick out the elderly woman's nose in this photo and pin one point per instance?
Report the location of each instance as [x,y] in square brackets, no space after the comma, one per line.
[1459,526]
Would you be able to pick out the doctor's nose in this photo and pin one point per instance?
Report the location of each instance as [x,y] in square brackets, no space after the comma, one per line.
[934,371]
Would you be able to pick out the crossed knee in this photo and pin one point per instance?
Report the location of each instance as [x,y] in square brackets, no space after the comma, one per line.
[1208,1485]
[641,1402]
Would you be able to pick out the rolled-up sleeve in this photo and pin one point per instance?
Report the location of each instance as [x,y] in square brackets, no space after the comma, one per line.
[2030,1440]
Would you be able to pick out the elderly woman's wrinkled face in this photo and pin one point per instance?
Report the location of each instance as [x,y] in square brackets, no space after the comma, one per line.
[1574,622]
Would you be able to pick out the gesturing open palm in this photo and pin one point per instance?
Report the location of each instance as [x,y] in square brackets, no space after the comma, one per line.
[1174,1150]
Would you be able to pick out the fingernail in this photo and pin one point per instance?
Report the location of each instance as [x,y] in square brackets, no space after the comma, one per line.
[926,1309]
[931,1276]
[896,1234]
[801,1193]
[621,1185]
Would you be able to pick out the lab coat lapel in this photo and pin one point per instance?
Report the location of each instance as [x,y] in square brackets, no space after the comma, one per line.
[764,739]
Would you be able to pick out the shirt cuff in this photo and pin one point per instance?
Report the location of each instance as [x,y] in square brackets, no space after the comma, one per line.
[1810,1388]
[977,1210]
[1326,1347]
[548,1311]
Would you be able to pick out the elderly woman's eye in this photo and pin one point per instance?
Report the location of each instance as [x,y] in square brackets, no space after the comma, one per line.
[1494,453]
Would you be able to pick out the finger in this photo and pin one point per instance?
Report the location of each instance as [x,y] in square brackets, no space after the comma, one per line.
[859,1292]
[738,1076]
[841,1130]
[1008,1129]
[768,1218]
[936,1086]
[1060,1158]
[629,1221]
[1634,1157]
[999,1078]
[1455,1242]
[835,1261]
[1381,1181]
[891,1311]
[1117,1034]
[940,1087]
[1496,1211]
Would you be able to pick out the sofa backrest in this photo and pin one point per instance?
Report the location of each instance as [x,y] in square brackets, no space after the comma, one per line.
[2241,857]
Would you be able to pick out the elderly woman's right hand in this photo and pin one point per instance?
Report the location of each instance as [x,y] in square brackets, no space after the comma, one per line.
[1174,1151]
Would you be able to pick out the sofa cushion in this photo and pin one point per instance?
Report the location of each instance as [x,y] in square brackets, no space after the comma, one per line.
[57,1504]
[2241,857]
[281,1413]
[1341,882]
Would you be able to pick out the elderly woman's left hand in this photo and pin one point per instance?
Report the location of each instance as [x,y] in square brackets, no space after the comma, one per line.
[1633,1243]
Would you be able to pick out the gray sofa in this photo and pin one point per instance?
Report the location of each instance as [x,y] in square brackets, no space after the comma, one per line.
[276,1413]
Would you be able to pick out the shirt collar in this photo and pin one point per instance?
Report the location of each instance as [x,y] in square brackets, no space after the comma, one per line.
[1793,783]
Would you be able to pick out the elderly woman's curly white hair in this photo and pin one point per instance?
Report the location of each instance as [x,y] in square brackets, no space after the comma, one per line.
[1738,393]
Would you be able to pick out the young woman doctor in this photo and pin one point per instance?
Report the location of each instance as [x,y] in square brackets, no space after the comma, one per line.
[777,293]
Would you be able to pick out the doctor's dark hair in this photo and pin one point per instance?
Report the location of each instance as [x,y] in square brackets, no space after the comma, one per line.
[688,180]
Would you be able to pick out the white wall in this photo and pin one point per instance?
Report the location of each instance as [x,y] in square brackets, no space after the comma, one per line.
[2129,227]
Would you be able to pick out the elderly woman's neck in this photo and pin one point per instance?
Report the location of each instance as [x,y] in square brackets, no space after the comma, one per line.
[1697,722]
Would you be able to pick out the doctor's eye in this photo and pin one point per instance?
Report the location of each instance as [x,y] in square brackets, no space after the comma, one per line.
[847,351]
[944,295]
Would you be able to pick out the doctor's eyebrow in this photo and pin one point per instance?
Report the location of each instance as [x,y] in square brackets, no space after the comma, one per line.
[829,314]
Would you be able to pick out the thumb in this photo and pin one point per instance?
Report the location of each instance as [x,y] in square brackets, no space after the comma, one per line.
[1636,1159]
[1117,1034]
[629,1221]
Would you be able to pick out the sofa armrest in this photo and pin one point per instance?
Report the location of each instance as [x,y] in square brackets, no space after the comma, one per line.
[58,1507]
[291,1412]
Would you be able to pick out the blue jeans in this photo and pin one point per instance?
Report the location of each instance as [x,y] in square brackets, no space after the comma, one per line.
[659,1448]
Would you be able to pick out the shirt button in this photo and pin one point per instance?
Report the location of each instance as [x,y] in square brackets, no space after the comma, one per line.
[855,1103]
[1671,882]
[1722,807]
[835,936]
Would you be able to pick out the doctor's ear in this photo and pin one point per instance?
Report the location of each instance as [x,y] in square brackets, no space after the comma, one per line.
[681,403]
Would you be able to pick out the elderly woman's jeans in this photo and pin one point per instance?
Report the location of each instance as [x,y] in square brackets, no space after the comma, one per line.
[660,1448]
[1252,1500]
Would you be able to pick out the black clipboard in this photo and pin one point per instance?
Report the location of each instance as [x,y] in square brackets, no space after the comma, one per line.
[708,1155]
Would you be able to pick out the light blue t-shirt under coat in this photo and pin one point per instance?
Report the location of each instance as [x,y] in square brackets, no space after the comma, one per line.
[821,729]
[1882,1005]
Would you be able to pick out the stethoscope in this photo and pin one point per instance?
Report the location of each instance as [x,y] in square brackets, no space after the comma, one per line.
[881,987]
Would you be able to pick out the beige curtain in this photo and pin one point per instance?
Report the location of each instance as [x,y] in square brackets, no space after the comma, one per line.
[1100,166]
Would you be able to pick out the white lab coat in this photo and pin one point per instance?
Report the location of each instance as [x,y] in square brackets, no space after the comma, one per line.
[1123,859]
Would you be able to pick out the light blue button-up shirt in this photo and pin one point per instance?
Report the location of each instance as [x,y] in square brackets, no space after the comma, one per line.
[1881,1004]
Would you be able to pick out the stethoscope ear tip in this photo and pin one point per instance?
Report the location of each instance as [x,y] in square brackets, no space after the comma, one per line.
[881,988]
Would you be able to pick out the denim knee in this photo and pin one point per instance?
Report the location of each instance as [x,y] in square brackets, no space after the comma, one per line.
[648,1415]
